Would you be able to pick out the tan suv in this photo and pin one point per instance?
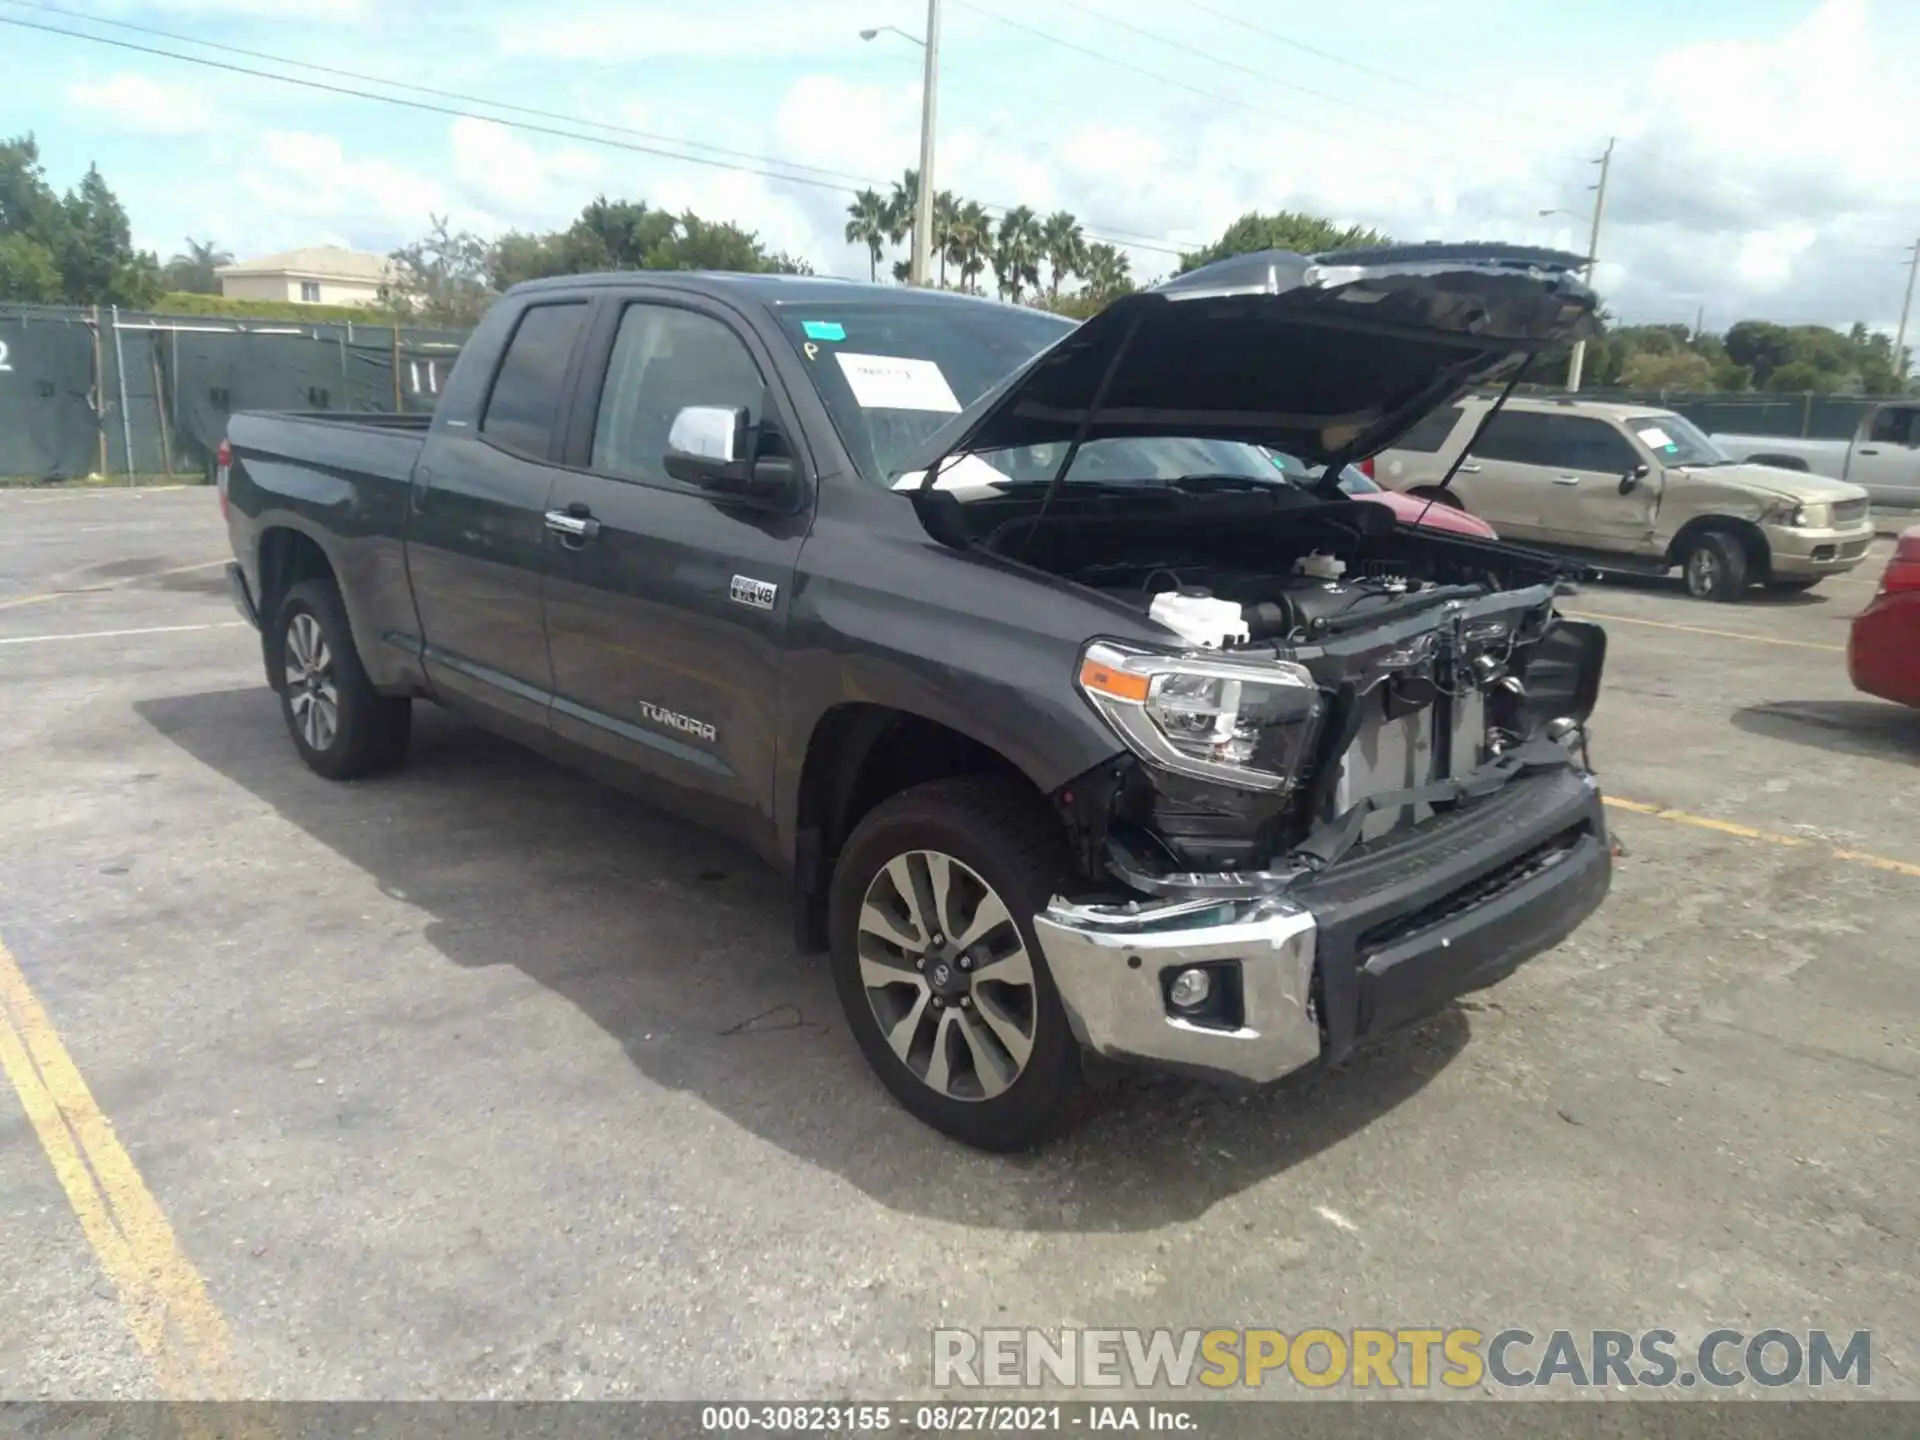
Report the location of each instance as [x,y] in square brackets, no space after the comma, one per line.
[1636,489]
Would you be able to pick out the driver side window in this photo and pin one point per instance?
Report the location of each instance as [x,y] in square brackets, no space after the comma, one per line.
[665,359]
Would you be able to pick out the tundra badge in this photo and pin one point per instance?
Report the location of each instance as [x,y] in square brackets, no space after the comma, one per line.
[674,720]
[757,594]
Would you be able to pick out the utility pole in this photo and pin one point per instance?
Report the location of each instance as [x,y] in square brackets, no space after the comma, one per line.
[922,268]
[1906,308]
[1605,162]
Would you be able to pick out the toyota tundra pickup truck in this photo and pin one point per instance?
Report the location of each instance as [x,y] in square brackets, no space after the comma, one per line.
[1076,722]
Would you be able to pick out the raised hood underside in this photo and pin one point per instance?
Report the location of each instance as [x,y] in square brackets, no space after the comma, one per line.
[1324,357]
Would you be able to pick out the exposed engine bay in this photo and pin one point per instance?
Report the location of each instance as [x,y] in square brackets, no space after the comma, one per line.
[1341,678]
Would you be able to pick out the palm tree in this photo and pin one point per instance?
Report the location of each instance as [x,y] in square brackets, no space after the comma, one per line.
[867,222]
[901,204]
[945,210]
[1016,252]
[1107,271]
[1065,248]
[967,241]
[193,270]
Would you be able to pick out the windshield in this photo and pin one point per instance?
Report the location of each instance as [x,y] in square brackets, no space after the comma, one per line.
[891,372]
[1677,441]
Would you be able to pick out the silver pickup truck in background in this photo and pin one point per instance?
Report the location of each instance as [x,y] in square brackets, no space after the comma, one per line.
[1883,456]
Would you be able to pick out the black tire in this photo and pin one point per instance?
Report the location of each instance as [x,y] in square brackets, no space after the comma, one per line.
[1009,842]
[1715,567]
[1792,587]
[369,731]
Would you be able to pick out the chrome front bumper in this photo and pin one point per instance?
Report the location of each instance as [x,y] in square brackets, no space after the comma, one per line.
[1112,963]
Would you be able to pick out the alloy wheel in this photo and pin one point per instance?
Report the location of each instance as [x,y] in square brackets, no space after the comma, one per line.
[1703,572]
[947,975]
[311,693]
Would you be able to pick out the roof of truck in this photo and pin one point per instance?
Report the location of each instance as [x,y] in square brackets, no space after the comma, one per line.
[1550,405]
[769,289]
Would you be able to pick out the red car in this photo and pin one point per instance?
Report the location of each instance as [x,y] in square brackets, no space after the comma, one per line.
[1883,648]
[1433,514]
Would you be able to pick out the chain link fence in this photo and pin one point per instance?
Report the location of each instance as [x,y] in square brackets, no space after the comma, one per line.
[103,392]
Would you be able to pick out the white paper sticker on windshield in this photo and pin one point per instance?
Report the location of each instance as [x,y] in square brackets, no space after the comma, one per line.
[892,382]
[1656,438]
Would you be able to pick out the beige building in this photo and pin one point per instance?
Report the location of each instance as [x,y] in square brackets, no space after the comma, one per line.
[319,275]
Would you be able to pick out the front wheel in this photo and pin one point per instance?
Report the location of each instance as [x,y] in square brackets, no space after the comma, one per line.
[939,973]
[1716,568]
[340,724]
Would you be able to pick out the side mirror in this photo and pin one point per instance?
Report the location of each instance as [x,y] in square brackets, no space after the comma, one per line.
[713,447]
[1632,479]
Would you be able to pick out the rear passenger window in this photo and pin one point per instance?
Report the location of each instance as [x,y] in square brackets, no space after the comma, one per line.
[664,360]
[1576,444]
[1515,435]
[1432,432]
[1894,426]
[526,392]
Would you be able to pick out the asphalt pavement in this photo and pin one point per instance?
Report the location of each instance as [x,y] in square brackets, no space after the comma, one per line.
[478,1081]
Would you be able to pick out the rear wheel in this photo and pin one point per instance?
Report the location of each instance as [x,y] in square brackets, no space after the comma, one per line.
[939,973]
[1715,566]
[340,724]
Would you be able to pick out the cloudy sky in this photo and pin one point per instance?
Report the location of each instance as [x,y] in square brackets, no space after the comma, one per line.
[1767,160]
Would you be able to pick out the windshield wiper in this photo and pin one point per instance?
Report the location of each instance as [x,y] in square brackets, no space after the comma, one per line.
[1221,480]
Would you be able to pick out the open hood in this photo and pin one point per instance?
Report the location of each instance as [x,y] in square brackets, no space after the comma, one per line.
[1326,357]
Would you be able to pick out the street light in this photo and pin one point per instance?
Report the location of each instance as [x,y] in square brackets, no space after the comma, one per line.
[920,267]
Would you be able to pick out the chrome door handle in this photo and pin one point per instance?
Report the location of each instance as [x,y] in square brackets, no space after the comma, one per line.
[1566,479]
[1468,470]
[574,527]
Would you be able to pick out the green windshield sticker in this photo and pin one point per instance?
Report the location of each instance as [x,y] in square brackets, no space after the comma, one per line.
[824,329]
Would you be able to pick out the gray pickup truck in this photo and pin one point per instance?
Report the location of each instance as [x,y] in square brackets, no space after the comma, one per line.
[1883,457]
[1076,720]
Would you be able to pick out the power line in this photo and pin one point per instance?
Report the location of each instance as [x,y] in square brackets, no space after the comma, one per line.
[1114,60]
[838,181]
[1263,76]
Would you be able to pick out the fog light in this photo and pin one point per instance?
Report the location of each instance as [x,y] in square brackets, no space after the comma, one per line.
[1190,989]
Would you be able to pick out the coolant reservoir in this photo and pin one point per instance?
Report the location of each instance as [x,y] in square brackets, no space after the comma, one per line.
[1199,618]
[1320,566]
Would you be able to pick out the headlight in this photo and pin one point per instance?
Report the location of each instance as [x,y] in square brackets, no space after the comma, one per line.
[1812,517]
[1234,723]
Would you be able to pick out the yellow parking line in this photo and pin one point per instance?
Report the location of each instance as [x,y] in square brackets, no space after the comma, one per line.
[1747,832]
[162,1297]
[1703,630]
[102,589]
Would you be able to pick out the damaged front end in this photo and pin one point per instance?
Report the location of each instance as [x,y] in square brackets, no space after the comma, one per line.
[1354,780]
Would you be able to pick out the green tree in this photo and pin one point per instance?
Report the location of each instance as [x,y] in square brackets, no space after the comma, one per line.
[967,241]
[27,271]
[192,270]
[1282,230]
[1109,274]
[1016,253]
[901,202]
[442,278]
[867,225]
[98,263]
[1680,370]
[1065,247]
[946,210]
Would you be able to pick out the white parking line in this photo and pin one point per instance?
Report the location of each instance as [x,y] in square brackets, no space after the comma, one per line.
[112,634]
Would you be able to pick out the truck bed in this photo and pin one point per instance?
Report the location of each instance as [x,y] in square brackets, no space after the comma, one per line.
[382,447]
